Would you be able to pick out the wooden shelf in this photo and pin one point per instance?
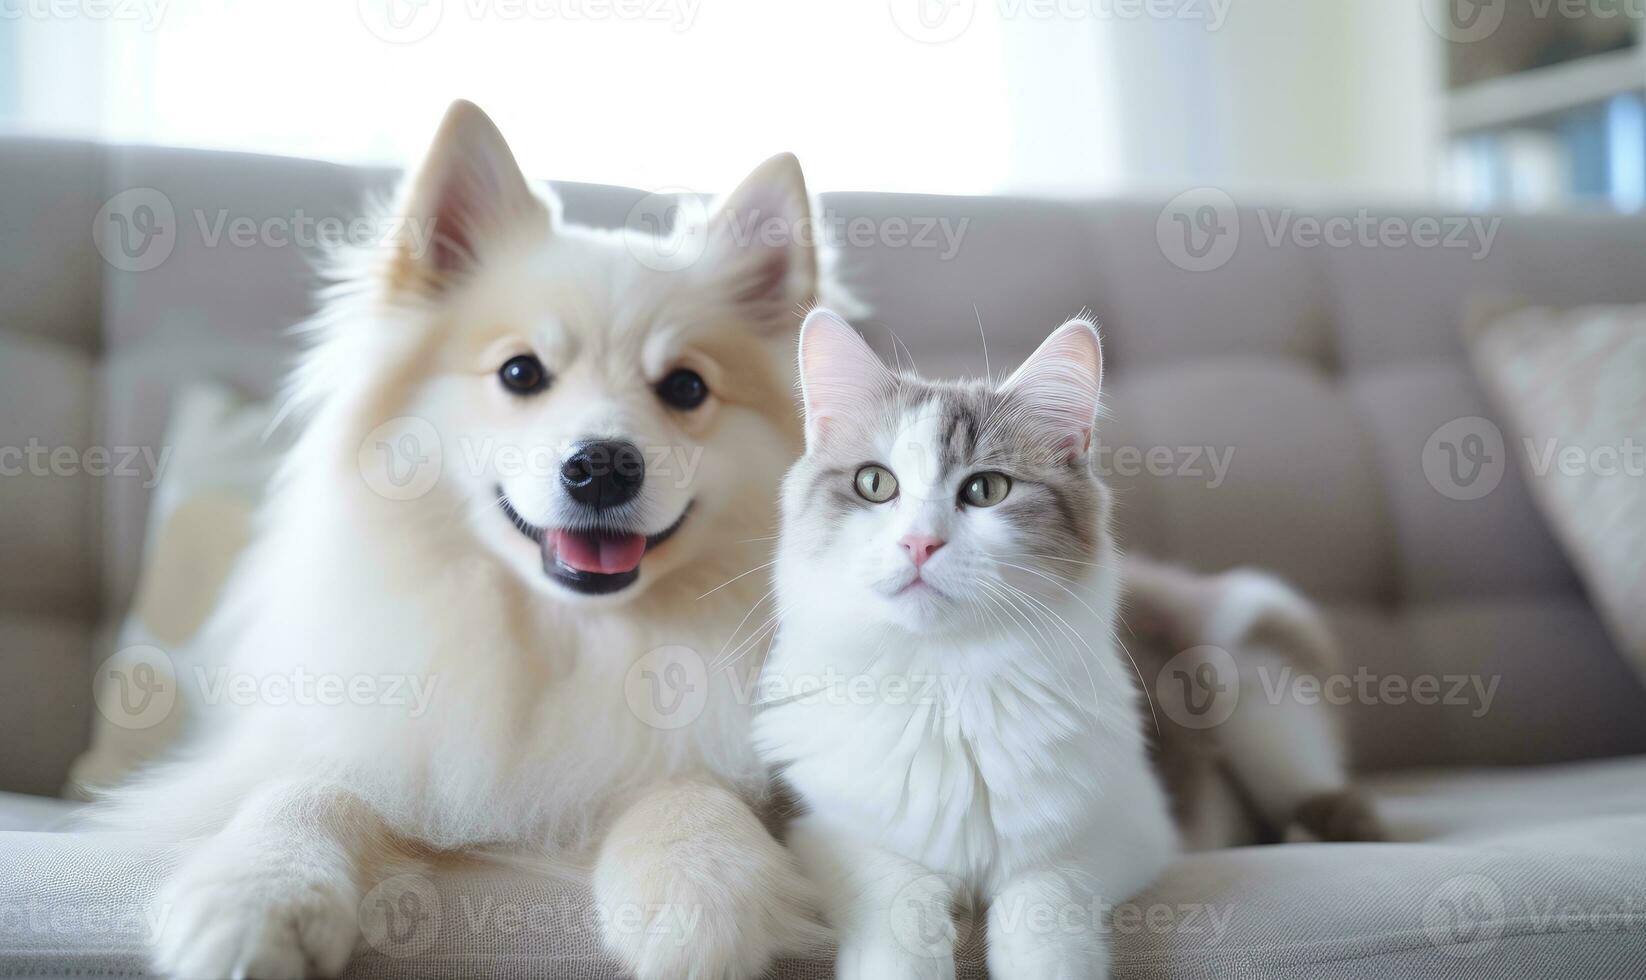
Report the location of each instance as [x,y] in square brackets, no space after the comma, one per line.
[1530,95]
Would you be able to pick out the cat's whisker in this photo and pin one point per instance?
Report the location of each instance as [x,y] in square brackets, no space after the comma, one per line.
[1143,684]
[898,342]
[735,578]
[1105,565]
[1054,580]
[1009,601]
[1062,578]
[745,620]
[1000,604]
[1041,609]
[988,372]
[764,630]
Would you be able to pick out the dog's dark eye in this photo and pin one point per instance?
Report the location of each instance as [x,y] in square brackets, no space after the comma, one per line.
[523,375]
[683,389]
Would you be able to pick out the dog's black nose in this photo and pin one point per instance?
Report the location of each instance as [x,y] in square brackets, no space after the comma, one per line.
[603,474]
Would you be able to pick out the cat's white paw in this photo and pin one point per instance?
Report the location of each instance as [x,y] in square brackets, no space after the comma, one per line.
[879,961]
[247,919]
[1051,960]
[917,938]
[1041,926]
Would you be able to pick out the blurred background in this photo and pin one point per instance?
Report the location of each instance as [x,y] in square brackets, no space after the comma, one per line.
[1500,104]
[1371,277]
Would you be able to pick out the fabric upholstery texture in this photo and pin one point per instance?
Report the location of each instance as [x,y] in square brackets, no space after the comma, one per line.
[1527,874]
[1573,387]
[1320,379]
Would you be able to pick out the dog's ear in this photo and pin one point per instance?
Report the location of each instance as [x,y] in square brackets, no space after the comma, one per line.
[467,192]
[839,373]
[761,243]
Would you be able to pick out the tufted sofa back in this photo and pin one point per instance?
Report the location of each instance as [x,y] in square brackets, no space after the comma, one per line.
[1271,410]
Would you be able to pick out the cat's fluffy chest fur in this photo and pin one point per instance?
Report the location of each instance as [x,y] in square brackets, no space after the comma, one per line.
[976,757]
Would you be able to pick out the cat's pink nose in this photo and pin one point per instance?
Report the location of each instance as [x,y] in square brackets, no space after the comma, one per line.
[921,547]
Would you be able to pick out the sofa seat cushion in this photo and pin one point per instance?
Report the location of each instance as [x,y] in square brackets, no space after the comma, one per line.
[1519,873]
[20,811]
[43,698]
[1478,805]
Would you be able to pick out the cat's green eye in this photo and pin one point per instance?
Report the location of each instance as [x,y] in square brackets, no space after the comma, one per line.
[876,484]
[986,489]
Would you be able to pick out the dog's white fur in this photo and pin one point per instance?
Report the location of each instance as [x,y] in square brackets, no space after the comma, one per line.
[291,814]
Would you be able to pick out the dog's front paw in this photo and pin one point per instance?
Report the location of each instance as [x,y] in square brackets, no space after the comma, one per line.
[229,915]
[692,887]
[685,918]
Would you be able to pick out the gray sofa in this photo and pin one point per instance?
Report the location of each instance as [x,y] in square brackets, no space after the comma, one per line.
[1521,817]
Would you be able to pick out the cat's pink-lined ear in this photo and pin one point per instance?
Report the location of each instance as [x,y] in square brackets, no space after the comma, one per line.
[840,374]
[760,240]
[1060,385]
[467,191]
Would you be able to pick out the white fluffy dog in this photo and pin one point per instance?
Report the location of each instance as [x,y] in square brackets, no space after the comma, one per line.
[532,455]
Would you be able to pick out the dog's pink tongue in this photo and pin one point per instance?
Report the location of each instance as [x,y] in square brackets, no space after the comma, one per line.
[603,554]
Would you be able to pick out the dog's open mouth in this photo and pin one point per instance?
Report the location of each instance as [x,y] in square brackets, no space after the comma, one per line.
[591,561]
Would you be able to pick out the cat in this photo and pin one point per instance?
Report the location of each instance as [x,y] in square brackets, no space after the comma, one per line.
[946,696]
[1240,765]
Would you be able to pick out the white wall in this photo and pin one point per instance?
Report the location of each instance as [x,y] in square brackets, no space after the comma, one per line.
[1315,99]
[1292,99]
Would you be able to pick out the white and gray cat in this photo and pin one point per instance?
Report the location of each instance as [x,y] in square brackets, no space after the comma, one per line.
[947,697]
